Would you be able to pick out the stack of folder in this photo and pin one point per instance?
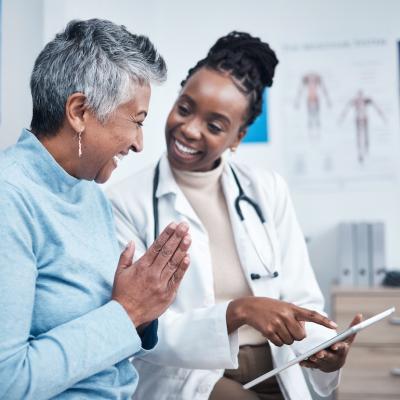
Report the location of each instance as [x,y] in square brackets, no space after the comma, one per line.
[361,254]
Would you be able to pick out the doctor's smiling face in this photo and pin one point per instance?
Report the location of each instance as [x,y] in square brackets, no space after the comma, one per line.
[207,118]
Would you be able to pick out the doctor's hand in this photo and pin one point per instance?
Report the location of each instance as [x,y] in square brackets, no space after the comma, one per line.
[279,321]
[334,357]
[147,287]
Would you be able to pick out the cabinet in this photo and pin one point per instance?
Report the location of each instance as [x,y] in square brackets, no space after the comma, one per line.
[372,369]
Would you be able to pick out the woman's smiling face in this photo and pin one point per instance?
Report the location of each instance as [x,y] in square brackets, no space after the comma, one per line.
[106,144]
[207,118]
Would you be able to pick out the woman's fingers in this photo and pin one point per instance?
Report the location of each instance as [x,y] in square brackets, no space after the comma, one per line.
[279,328]
[153,251]
[177,277]
[308,364]
[275,339]
[356,320]
[125,259]
[167,251]
[171,267]
[302,314]
[296,328]
[149,287]
[327,360]
[321,355]
[317,359]
[339,347]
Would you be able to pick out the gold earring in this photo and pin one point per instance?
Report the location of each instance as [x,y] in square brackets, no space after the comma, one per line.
[80,144]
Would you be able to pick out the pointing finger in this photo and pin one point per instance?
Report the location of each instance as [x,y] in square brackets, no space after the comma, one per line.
[303,314]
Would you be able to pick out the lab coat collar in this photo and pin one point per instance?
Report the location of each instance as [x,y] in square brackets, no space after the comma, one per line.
[168,186]
[166,182]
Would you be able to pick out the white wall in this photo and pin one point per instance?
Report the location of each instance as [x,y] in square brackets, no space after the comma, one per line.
[21,41]
[183,32]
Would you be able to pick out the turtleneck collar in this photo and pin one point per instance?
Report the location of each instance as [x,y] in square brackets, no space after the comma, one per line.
[41,166]
[199,180]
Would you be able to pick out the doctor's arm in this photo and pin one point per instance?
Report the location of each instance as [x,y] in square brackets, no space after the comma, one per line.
[279,321]
[207,337]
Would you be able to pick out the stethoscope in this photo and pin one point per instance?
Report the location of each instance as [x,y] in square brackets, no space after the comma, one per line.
[270,270]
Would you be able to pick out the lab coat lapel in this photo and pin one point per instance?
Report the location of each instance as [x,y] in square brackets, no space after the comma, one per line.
[167,185]
[197,286]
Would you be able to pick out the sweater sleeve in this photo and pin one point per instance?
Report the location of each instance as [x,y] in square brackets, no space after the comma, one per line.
[42,366]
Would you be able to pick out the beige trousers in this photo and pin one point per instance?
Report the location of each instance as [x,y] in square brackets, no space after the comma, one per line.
[253,362]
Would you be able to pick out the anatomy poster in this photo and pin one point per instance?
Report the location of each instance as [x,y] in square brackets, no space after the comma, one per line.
[340,115]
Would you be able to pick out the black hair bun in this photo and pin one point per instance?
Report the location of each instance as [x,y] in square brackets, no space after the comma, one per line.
[255,58]
[250,62]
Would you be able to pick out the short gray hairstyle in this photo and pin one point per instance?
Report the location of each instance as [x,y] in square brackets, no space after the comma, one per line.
[98,58]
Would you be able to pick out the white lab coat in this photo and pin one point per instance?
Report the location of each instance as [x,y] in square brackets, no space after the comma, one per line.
[194,346]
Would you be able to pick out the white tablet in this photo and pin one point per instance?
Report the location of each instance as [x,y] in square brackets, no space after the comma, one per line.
[338,338]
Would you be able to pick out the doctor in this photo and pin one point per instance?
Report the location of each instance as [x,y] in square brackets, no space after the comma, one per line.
[241,308]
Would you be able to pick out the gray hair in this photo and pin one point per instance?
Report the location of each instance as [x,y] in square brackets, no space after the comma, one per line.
[98,58]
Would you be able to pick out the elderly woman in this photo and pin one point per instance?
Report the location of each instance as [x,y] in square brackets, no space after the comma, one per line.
[72,310]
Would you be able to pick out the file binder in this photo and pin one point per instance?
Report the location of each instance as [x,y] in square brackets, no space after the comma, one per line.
[377,252]
[346,254]
[362,255]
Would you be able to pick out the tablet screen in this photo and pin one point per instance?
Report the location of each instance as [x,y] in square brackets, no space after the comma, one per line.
[338,338]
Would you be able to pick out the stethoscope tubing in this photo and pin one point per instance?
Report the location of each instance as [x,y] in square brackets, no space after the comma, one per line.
[241,197]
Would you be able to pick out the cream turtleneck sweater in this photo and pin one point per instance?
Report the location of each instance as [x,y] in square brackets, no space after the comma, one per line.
[205,194]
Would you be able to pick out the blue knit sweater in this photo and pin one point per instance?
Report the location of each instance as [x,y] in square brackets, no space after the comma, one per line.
[60,334]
